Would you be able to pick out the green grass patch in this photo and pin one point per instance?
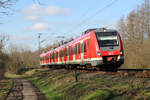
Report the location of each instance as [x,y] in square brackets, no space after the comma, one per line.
[60,85]
[98,95]
[5,86]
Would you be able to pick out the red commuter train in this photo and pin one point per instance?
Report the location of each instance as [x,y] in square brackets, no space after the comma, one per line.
[96,47]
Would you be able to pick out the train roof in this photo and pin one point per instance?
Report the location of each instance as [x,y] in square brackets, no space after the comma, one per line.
[99,30]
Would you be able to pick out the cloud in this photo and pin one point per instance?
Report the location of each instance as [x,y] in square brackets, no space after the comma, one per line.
[34,18]
[36,13]
[39,26]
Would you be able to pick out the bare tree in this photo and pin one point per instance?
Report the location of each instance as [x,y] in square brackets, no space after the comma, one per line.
[135,30]
[3,56]
[5,6]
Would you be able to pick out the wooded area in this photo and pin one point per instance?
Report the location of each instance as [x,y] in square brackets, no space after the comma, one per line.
[135,31]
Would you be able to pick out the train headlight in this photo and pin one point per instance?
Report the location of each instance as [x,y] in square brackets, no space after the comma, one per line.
[98,53]
[121,52]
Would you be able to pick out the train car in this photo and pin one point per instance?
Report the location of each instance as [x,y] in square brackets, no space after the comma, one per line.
[98,47]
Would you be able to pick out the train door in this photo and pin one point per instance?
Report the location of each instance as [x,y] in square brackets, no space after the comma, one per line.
[79,52]
[50,58]
[71,53]
[69,50]
[74,50]
[63,55]
[53,57]
[68,53]
[76,53]
[44,59]
[85,49]
[58,56]
[82,57]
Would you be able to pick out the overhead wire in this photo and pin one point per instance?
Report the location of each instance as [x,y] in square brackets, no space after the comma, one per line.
[94,15]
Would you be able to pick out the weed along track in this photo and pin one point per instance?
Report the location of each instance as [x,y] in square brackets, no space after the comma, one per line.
[24,90]
[122,72]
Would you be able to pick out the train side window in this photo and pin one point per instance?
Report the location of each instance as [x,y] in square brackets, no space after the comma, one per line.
[79,48]
[88,43]
[59,53]
[68,51]
[64,52]
[71,50]
[76,49]
[56,55]
[85,46]
[82,47]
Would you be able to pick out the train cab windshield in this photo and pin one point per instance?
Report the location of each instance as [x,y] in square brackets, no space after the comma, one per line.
[106,39]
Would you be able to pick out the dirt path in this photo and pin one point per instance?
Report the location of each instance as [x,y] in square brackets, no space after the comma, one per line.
[24,90]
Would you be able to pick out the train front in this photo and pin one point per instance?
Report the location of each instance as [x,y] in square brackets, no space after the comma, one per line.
[110,48]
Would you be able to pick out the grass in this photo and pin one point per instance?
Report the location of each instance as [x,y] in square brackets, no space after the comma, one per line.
[61,85]
[5,86]
[98,95]
[48,90]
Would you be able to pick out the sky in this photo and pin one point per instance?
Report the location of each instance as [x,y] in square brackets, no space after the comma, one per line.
[60,18]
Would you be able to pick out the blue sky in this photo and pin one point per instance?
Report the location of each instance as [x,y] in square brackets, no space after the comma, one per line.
[54,18]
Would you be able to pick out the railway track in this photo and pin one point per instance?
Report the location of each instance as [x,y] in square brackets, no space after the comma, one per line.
[24,90]
[122,72]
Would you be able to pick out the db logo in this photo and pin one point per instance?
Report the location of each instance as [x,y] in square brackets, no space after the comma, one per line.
[110,53]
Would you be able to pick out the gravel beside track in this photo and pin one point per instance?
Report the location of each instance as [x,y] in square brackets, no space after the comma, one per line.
[24,90]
